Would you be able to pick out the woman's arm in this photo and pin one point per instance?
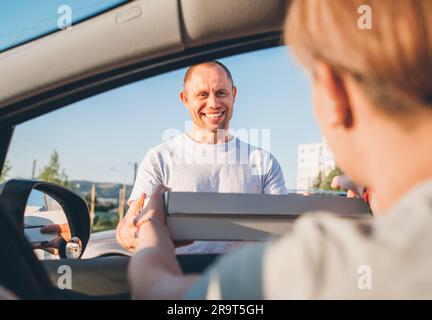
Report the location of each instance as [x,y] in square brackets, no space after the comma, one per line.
[154,272]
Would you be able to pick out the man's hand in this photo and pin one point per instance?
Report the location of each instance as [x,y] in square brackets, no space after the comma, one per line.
[354,191]
[63,233]
[345,182]
[126,229]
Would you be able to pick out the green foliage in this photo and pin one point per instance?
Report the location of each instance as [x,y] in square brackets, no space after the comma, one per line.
[5,171]
[52,173]
[98,206]
[103,190]
[324,183]
[105,221]
[317,182]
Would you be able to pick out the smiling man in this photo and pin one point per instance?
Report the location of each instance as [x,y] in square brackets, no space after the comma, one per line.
[208,158]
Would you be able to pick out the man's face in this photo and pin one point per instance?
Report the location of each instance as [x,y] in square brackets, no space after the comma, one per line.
[209,96]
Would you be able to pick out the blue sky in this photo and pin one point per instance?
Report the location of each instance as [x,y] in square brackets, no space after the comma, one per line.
[23,20]
[99,138]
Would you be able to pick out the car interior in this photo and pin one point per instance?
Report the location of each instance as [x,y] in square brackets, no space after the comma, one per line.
[134,41]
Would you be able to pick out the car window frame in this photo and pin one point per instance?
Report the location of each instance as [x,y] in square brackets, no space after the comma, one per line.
[54,99]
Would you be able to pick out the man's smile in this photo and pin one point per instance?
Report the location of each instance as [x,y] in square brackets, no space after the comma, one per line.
[214,115]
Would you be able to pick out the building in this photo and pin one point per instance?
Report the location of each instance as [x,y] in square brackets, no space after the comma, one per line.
[313,159]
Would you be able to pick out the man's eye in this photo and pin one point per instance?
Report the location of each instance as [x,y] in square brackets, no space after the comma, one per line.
[222,94]
[203,95]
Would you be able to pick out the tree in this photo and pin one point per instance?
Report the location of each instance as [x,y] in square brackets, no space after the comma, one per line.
[5,171]
[51,172]
[318,181]
[325,183]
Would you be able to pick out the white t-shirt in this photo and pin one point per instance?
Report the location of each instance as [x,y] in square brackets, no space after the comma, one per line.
[185,165]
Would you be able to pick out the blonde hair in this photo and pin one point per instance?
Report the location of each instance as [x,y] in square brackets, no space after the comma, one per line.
[392,60]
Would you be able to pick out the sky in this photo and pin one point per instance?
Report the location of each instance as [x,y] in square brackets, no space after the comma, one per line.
[23,20]
[100,138]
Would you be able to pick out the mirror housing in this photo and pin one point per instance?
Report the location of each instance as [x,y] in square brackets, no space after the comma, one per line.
[15,193]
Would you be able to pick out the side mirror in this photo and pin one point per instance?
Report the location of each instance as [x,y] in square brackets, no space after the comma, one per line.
[35,204]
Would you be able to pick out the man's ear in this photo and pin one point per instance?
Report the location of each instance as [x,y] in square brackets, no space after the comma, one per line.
[334,91]
[234,91]
[184,97]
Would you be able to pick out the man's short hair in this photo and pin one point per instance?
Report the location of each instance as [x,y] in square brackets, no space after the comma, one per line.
[190,70]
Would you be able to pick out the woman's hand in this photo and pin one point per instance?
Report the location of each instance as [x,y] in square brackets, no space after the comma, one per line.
[155,210]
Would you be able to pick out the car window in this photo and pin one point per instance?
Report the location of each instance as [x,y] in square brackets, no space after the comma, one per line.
[94,146]
[24,20]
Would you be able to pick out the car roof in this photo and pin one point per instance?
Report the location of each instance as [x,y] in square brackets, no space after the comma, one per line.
[139,39]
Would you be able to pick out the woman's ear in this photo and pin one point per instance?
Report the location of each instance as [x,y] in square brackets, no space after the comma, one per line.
[333,95]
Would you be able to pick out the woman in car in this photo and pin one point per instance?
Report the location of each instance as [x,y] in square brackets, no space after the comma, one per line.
[370,68]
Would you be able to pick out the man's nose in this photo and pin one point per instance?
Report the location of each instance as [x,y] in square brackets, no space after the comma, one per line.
[212,101]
